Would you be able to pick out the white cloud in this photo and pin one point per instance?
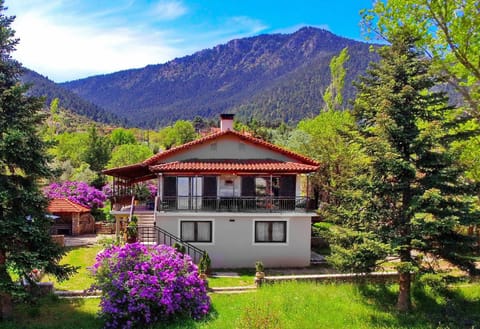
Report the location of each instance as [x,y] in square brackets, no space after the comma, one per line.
[246,24]
[169,10]
[65,51]
[64,43]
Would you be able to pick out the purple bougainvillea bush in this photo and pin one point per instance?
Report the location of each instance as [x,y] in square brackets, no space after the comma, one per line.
[142,285]
[79,192]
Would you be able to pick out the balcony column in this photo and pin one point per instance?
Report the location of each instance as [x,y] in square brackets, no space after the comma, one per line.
[307,194]
[159,189]
[271,192]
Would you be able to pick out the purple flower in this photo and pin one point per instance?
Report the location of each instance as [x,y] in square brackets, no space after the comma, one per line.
[142,285]
[79,192]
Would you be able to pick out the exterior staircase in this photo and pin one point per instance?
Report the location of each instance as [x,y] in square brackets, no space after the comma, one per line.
[145,218]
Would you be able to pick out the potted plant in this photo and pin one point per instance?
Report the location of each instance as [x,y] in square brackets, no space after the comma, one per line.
[259,270]
[204,265]
[142,192]
[131,231]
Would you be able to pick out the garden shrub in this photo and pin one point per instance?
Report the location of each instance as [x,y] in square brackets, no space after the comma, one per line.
[142,285]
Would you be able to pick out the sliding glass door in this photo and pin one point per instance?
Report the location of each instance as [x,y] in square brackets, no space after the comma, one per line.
[189,191]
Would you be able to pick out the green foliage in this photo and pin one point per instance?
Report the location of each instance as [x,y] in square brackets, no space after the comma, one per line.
[180,133]
[97,153]
[71,146]
[323,139]
[259,266]
[414,196]
[127,154]
[132,230]
[446,30]
[24,228]
[121,136]
[332,98]
[205,263]
[179,247]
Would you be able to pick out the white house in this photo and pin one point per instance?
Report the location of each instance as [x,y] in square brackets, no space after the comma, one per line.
[240,198]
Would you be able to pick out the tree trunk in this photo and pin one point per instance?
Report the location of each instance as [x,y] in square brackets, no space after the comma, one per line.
[6,308]
[404,301]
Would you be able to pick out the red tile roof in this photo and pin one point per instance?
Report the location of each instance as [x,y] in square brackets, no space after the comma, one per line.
[143,170]
[246,138]
[234,166]
[65,205]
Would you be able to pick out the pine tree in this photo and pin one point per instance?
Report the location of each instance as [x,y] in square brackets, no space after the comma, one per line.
[25,242]
[414,196]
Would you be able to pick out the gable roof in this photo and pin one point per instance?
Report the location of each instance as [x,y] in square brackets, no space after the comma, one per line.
[244,137]
[159,162]
[65,205]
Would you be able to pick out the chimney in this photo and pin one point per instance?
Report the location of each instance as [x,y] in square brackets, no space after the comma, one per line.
[226,122]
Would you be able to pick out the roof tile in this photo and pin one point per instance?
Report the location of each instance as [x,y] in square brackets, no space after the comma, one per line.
[254,165]
[65,205]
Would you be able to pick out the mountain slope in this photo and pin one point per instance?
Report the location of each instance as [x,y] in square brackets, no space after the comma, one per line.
[42,86]
[279,76]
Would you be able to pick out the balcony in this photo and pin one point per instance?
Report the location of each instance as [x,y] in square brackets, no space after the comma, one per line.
[235,204]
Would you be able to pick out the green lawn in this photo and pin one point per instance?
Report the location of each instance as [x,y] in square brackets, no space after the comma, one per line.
[288,305]
[84,257]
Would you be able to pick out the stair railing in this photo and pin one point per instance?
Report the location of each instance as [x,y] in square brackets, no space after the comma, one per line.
[157,235]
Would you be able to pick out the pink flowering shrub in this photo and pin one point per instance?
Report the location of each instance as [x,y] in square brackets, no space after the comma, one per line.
[142,285]
[79,192]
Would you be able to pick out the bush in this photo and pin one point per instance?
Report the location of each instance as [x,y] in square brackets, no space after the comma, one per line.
[142,285]
[79,192]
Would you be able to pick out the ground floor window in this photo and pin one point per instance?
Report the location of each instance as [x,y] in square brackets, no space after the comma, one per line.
[270,231]
[196,231]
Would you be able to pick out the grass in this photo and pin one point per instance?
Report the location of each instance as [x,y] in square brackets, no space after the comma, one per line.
[289,305]
[286,305]
[83,257]
[221,278]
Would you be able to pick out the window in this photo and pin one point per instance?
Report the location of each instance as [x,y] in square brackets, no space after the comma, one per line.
[267,186]
[192,231]
[270,231]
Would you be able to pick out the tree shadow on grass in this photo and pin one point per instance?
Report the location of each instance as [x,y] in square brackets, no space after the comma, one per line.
[446,308]
[51,312]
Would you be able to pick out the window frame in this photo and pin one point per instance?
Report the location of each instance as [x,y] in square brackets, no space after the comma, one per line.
[195,230]
[270,231]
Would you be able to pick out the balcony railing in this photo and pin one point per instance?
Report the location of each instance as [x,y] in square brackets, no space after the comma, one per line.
[235,204]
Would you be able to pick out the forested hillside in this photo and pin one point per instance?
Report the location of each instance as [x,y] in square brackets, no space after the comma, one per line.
[42,86]
[275,77]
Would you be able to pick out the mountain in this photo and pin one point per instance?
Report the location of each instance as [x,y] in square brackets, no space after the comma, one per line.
[272,77]
[42,86]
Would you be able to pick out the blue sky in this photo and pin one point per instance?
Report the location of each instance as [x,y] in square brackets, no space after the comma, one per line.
[72,39]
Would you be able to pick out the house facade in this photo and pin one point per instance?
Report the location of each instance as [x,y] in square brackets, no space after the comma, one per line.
[237,197]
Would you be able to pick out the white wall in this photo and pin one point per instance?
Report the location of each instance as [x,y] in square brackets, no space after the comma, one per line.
[233,244]
[228,147]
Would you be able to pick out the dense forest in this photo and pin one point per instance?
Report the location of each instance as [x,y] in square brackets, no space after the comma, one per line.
[279,77]
[42,86]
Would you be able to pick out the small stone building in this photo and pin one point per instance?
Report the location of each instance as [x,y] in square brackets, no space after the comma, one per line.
[73,218]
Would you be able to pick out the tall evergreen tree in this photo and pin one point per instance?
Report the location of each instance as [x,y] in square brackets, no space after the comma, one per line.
[414,197]
[25,242]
